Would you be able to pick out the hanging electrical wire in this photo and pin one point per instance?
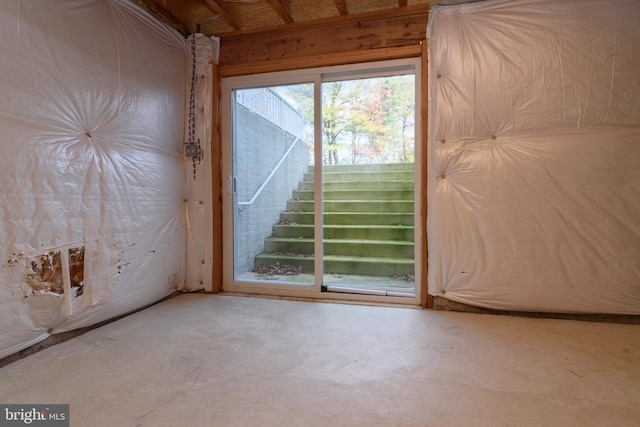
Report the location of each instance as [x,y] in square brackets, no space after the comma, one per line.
[193,147]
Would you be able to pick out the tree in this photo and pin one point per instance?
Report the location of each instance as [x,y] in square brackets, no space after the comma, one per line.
[335,119]
[400,116]
[363,120]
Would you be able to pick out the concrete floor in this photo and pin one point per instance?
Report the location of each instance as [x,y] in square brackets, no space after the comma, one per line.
[202,360]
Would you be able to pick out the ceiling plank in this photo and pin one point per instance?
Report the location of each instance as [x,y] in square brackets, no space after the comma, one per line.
[402,3]
[282,9]
[227,16]
[323,22]
[342,8]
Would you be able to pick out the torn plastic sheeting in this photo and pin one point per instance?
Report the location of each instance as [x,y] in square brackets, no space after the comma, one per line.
[534,192]
[90,159]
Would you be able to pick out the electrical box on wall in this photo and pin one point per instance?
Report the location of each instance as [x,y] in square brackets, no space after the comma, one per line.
[193,150]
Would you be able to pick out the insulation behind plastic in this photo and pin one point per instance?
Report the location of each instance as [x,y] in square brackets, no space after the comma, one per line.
[92,221]
[534,147]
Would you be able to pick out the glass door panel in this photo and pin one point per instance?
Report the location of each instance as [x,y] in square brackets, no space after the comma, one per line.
[337,215]
[273,185]
[368,139]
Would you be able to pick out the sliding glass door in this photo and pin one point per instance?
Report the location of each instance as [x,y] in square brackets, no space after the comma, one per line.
[368,140]
[321,180]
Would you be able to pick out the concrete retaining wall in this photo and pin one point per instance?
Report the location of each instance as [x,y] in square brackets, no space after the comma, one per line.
[259,147]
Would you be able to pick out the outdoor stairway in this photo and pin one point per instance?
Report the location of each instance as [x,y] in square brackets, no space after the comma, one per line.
[368,222]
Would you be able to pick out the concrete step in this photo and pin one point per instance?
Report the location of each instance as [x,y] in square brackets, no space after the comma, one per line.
[374,167]
[363,176]
[353,206]
[342,247]
[345,218]
[359,185]
[349,194]
[371,232]
[366,266]
[368,222]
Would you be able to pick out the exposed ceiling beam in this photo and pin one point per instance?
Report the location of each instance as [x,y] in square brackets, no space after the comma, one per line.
[163,14]
[342,8]
[282,9]
[417,9]
[227,16]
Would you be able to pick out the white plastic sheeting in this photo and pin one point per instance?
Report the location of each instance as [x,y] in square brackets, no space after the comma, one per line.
[534,147]
[92,170]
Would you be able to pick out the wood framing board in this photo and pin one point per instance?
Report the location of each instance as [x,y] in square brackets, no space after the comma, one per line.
[216,181]
[164,14]
[426,299]
[341,58]
[329,38]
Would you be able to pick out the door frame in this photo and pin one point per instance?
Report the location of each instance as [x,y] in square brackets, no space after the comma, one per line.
[315,75]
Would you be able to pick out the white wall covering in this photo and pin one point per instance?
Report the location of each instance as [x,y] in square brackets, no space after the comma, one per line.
[92,96]
[534,147]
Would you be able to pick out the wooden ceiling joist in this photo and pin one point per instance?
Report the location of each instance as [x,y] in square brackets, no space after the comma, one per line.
[303,25]
[163,14]
[282,9]
[227,16]
[342,7]
[231,18]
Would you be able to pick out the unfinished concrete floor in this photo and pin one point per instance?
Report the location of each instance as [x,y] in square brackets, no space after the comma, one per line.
[202,360]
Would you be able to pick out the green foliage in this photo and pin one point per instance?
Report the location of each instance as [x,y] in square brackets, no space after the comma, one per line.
[364,120]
